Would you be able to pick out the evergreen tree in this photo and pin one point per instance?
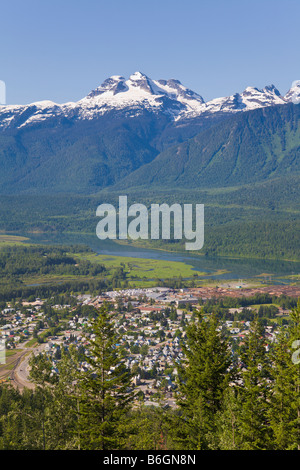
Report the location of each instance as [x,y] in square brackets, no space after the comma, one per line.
[55,403]
[285,404]
[254,391]
[63,407]
[147,429]
[105,393]
[227,421]
[295,345]
[41,375]
[10,423]
[203,377]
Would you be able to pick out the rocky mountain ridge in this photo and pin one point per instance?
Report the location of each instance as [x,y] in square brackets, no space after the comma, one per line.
[138,93]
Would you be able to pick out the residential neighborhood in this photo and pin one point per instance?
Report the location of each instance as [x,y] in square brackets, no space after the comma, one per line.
[151,323]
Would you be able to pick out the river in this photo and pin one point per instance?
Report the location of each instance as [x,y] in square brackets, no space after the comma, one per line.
[274,271]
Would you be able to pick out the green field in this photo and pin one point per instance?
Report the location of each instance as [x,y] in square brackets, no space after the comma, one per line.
[127,271]
[148,269]
[137,271]
[11,239]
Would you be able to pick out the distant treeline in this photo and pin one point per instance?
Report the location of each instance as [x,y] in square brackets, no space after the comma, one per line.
[259,221]
[17,263]
[221,306]
[282,300]
[20,260]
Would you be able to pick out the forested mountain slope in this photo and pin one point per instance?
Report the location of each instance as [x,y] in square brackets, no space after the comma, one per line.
[247,148]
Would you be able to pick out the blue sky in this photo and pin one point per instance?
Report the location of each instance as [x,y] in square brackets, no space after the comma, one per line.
[60,50]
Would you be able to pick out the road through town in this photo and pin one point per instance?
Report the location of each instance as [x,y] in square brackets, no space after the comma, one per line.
[20,372]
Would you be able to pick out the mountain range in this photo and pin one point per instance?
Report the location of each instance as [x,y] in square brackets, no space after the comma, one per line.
[139,93]
[139,131]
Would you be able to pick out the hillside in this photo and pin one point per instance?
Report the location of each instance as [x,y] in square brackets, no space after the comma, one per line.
[157,141]
[247,148]
[84,156]
[159,128]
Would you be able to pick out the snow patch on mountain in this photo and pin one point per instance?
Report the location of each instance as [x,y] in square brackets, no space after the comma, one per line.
[293,95]
[139,93]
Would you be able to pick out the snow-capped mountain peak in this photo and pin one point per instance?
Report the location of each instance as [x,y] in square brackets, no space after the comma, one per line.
[113,85]
[140,92]
[293,95]
[250,98]
[139,84]
[255,98]
[132,96]
[141,81]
